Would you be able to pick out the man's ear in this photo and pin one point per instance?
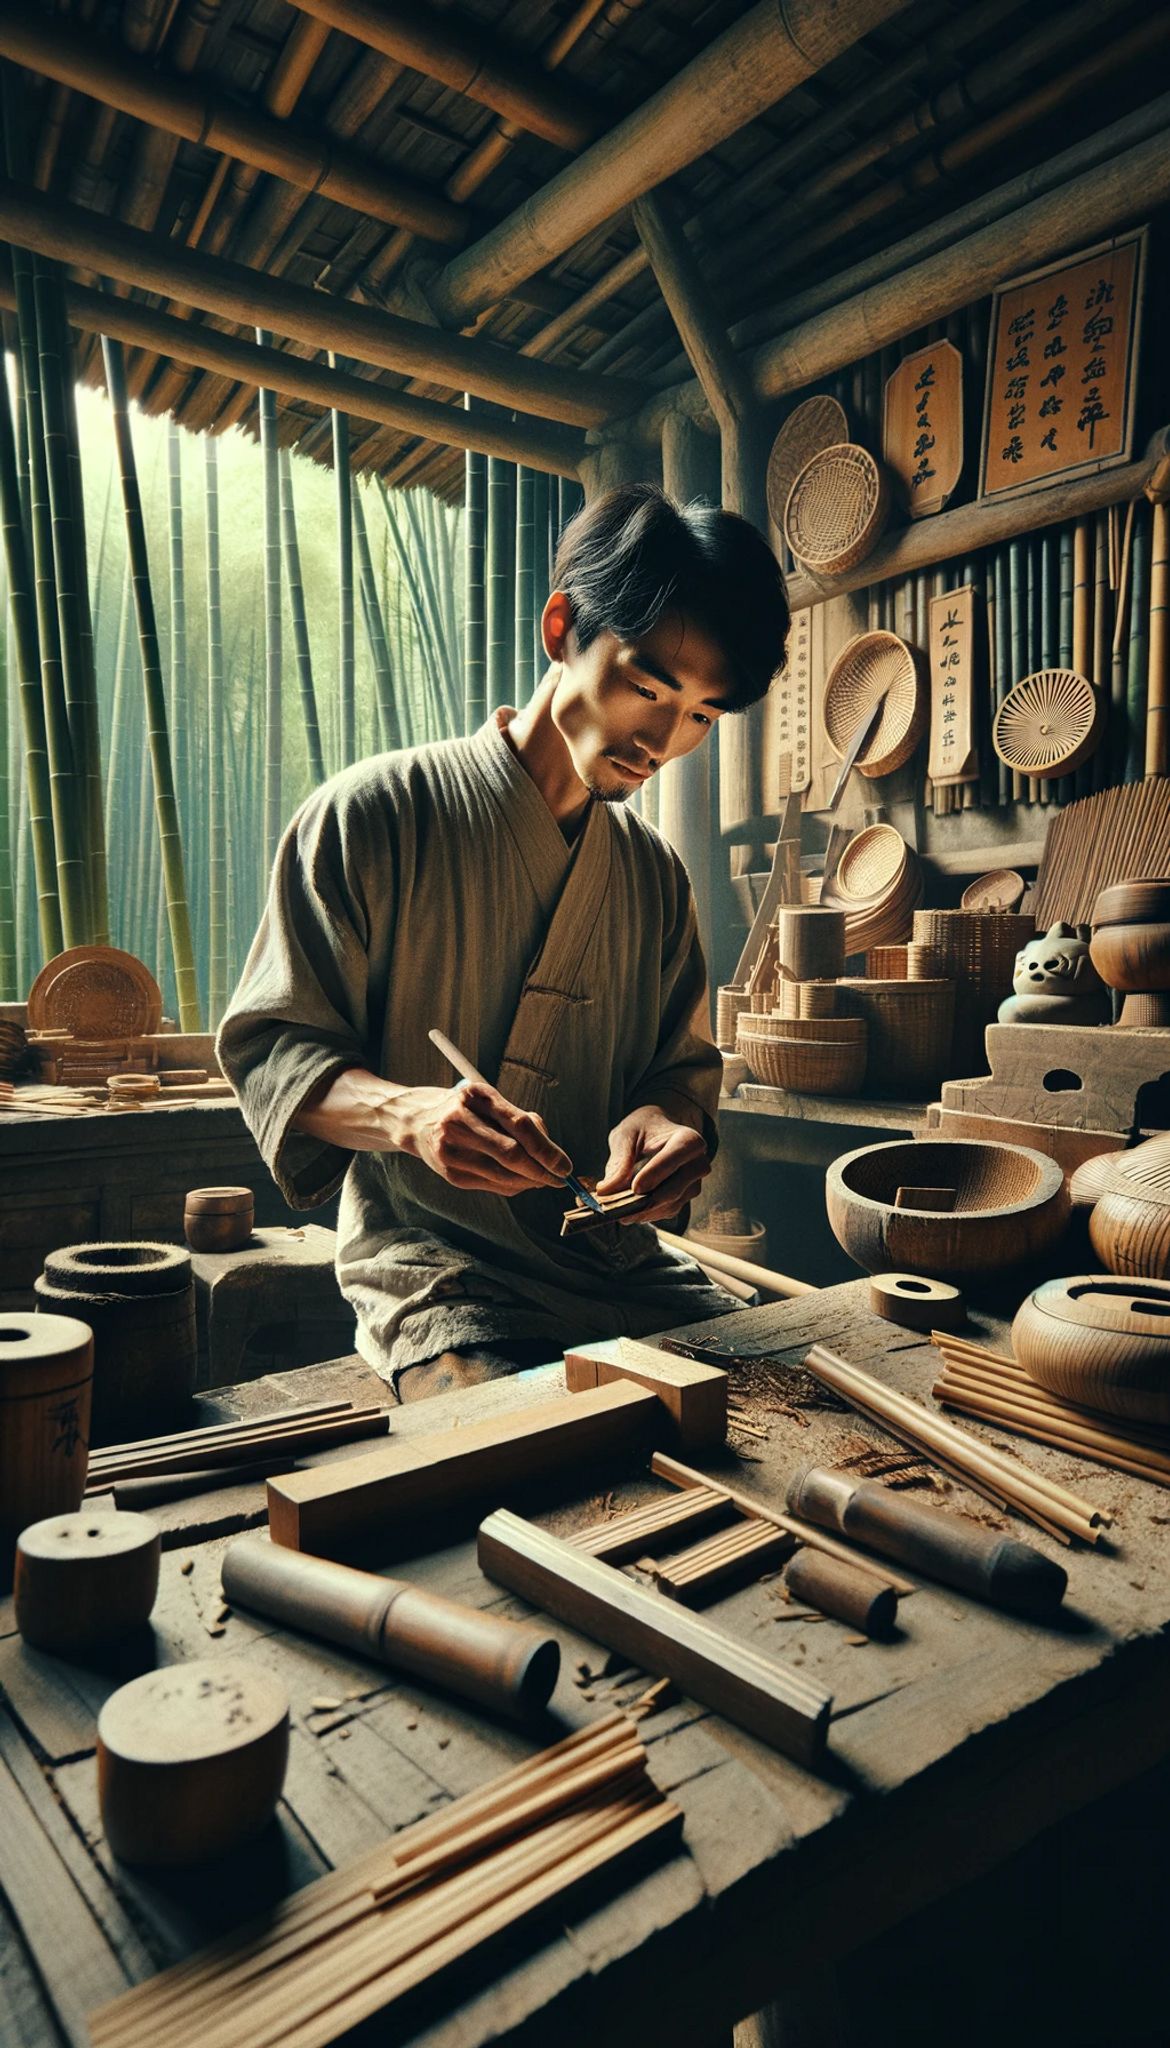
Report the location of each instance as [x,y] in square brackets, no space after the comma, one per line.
[556,625]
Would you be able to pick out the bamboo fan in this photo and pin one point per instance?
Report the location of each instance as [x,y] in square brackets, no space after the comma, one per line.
[873,666]
[816,424]
[1049,723]
[836,509]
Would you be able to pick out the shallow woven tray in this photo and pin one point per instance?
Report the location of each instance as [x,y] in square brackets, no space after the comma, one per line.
[1048,723]
[1002,889]
[95,992]
[869,665]
[807,1066]
[836,509]
[816,424]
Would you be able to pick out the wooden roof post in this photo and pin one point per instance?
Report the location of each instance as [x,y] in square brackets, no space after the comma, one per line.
[687,788]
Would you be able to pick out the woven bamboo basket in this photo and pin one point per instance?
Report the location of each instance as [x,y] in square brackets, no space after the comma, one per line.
[810,942]
[1048,723]
[878,884]
[836,509]
[886,963]
[729,1002]
[873,665]
[817,998]
[1002,889]
[909,1025]
[788,999]
[978,950]
[838,1030]
[816,424]
[805,1066]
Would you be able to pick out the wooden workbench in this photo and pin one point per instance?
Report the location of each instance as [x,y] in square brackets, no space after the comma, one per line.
[950,1748]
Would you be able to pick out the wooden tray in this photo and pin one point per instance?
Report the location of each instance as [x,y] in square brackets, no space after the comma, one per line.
[95,992]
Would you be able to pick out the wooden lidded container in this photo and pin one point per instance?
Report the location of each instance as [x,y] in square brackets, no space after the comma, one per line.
[139,1301]
[218,1219]
[46,1388]
[1101,1340]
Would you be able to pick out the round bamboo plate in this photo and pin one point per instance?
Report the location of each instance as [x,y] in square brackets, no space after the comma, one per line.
[836,509]
[869,666]
[815,424]
[1130,1225]
[1049,723]
[1002,889]
[1010,1206]
[95,992]
[1100,1341]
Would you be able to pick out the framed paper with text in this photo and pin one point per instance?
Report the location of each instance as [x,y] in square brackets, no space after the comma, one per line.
[1062,365]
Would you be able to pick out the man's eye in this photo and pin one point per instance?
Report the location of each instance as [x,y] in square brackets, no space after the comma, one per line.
[645,693]
[701,718]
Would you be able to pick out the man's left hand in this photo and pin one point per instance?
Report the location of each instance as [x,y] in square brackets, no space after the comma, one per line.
[649,1154]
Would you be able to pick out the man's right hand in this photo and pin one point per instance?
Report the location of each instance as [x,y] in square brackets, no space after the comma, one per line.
[470,1135]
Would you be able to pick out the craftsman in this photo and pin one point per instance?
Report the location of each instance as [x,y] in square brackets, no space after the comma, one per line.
[501,888]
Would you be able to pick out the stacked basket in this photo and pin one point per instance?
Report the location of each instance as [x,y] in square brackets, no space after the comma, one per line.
[978,953]
[878,884]
[809,1054]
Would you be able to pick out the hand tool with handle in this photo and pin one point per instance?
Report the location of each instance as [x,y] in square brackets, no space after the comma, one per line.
[462,1065]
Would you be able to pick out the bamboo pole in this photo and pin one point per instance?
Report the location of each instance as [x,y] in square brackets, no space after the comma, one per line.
[1158,689]
[216,739]
[300,620]
[177,666]
[474,591]
[375,624]
[1137,674]
[445,650]
[170,841]
[343,485]
[91,719]
[273,651]
[73,235]
[499,581]
[743,72]
[525,586]
[432,726]
[8,983]
[26,652]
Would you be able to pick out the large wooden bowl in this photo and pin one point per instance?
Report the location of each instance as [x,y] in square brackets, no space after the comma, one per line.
[1101,1341]
[1130,1223]
[1010,1206]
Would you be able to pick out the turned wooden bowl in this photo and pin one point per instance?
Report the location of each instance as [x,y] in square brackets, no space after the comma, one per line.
[1130,1224]
[1007,1205]
[1101,1341]
[1132,957]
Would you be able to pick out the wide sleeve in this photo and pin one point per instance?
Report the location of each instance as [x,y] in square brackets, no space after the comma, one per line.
[302,1011]
[686,1061]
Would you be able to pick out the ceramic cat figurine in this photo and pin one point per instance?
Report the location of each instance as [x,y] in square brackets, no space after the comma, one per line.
[1055,982]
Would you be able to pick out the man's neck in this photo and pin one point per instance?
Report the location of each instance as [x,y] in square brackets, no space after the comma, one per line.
[545,758]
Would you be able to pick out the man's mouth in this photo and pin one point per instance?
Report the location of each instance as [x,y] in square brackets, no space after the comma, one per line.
[627,768]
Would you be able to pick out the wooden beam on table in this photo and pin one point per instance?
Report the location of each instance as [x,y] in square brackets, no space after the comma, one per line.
[197,112]
[765,1697]
[76,235]
[694,1395]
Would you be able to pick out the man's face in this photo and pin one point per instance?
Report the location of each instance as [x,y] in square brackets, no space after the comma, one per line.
[623,708]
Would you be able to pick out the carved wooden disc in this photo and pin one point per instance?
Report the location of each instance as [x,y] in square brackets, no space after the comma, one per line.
[95,992]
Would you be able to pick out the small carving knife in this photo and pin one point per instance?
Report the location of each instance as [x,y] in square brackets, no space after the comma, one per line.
[462,1065]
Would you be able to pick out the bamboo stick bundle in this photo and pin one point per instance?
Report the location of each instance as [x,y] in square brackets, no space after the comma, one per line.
[292,1429]
[628,1535]
[994,1388]
[24,654]
[1052,1507]
[743,1551]
[351,1944]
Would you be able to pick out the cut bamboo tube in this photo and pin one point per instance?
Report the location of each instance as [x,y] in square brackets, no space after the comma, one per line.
[739,1269]
[1158,694]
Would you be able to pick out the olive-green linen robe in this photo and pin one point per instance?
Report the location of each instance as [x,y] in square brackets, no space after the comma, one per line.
[434,887]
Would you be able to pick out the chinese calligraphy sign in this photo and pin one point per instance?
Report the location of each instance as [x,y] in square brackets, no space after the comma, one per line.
[792,698]
[1062,369]
[954,755]
[922,427]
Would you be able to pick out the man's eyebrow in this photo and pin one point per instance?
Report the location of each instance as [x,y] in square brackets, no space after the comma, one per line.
[663,675]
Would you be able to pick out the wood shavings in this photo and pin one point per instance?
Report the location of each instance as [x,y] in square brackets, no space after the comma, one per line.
[187,1566]
[324,1704]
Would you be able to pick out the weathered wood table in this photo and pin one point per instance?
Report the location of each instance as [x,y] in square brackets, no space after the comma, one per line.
[950,1748]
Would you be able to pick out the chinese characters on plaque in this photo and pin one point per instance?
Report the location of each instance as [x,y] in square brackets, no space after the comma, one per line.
[922,427]
[1062,369]
[792,693]
[953,754]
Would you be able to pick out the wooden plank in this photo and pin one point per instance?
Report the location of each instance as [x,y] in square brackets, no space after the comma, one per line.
[773,1702]
[366,1497]
[694,1395]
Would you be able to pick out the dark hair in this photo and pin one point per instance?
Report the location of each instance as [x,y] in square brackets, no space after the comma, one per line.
[634,554]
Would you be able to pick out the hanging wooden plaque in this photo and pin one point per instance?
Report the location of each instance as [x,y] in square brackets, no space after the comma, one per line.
[922,427]
[954,753]
[793,692]
[1062,369]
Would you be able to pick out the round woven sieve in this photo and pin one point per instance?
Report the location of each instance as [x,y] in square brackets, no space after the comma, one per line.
[816,424]
[1049,723]
[871,664]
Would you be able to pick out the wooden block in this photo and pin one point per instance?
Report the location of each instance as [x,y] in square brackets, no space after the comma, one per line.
[191,1760]
[1073,1075]
[723,1561]
[917,1303]
[582,1218]
[942,1200]
[694,1395]
[654,1527]
[84,1579]
[771,1701]
[1070,1148]
[338,1506]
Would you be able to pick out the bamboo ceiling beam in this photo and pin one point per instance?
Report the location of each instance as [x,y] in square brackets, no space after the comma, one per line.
[467,58]
[236,293]
[198,113]
[551,449]
[749,68]
[964,532]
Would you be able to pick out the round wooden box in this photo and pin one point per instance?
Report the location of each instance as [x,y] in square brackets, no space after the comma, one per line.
[85,1579]
[1130,1224]
[218,1219]
[46,1390]
[1101,1341]
[1009,1205]
[191,1760]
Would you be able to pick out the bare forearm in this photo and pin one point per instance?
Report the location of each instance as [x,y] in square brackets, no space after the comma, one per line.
[355,1110]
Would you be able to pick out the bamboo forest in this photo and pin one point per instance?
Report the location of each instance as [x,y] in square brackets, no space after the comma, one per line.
[225,627]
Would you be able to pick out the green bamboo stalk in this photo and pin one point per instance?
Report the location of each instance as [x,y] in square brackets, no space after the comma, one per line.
[474,593]
[216,810]
[440,522]
[346,655]
[525,584]
[445,657]
[7,898]
[408,717]
[154,698]
[431,726]
[1065,636]
[300,619]
[500,579]
[177,662]
[273,664]
[540,570]
[1111,739]
[1138,667]
[26,649]
[375,626]
[118,719]
[95,816]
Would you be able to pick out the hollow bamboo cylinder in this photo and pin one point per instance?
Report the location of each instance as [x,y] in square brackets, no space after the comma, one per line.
[810,943]
[46,1389]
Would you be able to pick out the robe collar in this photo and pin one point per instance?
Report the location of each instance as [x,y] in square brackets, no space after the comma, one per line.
[541,844]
